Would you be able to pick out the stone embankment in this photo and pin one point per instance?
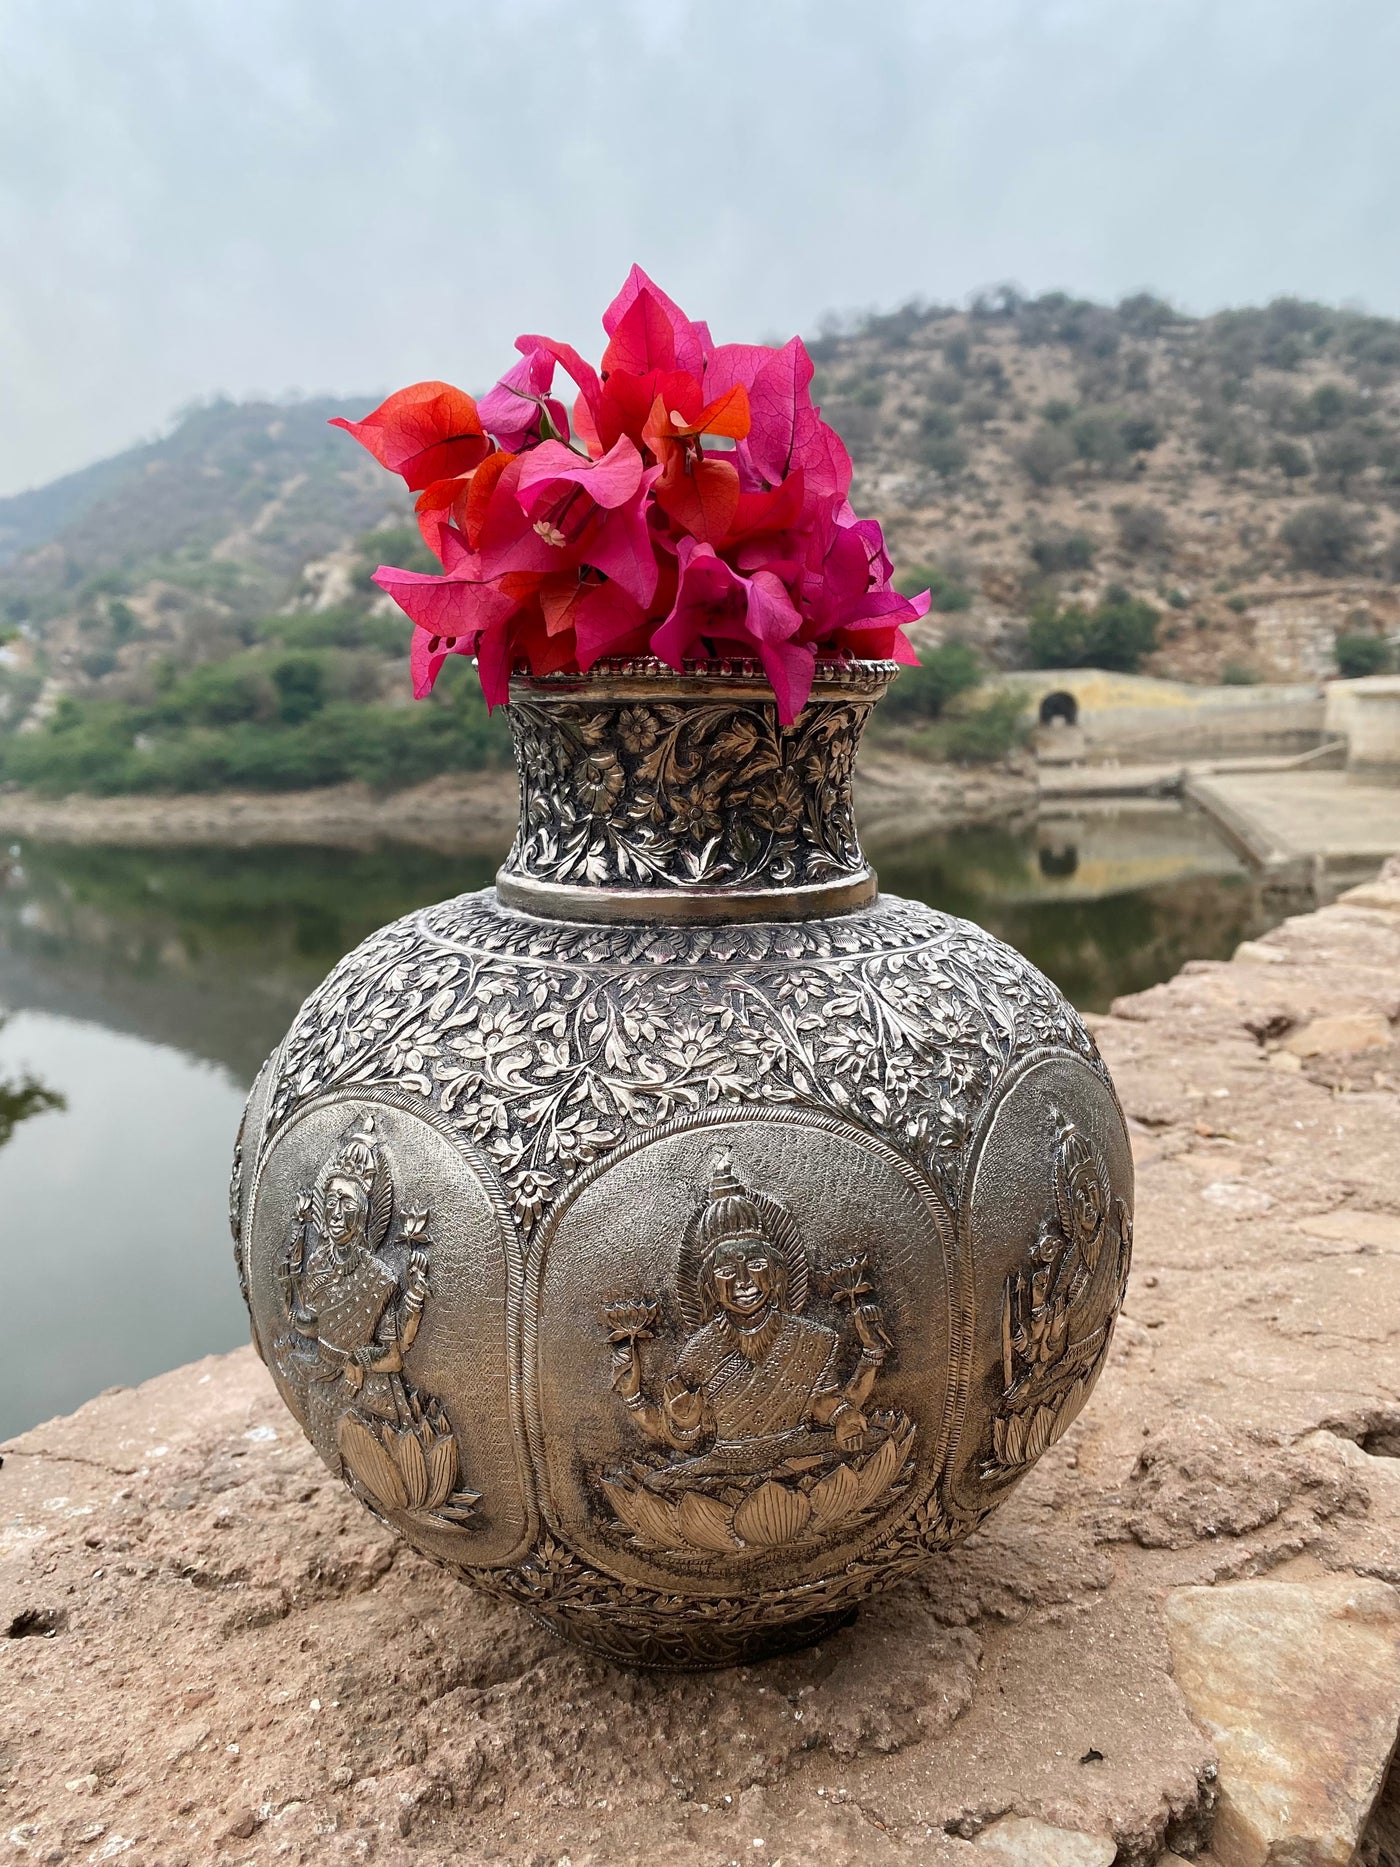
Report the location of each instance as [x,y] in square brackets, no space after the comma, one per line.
[1179,1640]
[473,813]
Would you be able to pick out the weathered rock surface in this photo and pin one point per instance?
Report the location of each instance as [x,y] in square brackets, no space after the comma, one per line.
[1299,1685]
[215,1656]
[1018,1841]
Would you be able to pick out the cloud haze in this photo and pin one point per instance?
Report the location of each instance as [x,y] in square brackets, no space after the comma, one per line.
[264,195]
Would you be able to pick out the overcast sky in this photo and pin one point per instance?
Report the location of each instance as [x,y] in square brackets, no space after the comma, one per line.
[271,195]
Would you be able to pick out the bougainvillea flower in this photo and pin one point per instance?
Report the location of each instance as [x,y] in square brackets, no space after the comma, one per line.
[428,432]
[512,410]
[594,508]
[692,502]
[451,614]
[715,604]
[787,429]
[649,331]
[700,496]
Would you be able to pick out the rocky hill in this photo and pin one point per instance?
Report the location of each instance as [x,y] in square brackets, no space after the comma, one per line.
[1212,498]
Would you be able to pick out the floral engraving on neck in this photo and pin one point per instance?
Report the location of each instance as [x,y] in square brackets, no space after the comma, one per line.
[685,794]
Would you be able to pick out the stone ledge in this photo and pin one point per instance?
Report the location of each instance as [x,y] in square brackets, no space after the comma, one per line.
[215,1656]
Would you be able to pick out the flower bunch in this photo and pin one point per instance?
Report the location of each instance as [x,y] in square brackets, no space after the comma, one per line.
[691,503]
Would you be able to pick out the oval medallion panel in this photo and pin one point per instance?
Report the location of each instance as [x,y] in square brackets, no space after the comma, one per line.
[384,1275]
[1048,1219]
[748,1350]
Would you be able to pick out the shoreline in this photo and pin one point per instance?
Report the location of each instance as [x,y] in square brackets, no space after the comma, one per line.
[467,813]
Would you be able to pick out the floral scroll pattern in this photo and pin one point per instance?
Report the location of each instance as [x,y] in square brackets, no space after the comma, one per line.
[549,1043]
[678,794]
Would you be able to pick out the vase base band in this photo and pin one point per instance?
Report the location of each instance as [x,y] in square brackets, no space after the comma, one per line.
[560,901]
[691,1651]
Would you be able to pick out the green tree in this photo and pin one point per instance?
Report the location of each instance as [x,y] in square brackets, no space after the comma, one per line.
[924,692]
[1360,655]
[1117,633]
[300,681]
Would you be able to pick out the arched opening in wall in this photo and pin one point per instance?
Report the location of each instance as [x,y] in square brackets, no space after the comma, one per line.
[1059,709]
[1058,861]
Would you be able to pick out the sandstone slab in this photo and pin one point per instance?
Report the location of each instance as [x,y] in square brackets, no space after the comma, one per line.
[1341,1035]
[1020,1841]
[1298,1683]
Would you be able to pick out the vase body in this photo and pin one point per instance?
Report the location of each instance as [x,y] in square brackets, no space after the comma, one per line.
[681,1239]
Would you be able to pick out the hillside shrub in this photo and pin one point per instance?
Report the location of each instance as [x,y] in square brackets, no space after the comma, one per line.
[1360,655]
[1062,551]
[1293,462]
[922,693]
[943,454]
[1117,633]
[1342,455]
[949,594]
[988,732]
[1326,538]
[1141,529]
[106,748]
[300,681]
[1047,456]
[1099,440]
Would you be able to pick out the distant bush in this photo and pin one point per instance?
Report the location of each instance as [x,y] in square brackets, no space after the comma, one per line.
[123,619]
[1141,529]
[943,454]
[300,681]
[1099,439]
[1293,462]
[949,594]
[923,692]
[988,732]
[1342,455]
[1145,315]
[1328,405]
[218,693]
[1239,674]
[1117,633]
[347,626]
[399,545]
[110,747]
[1360,655]
[1047,455]
[1062,551]
[1326,538]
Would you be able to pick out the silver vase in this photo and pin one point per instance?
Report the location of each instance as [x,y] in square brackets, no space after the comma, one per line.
[683,1240]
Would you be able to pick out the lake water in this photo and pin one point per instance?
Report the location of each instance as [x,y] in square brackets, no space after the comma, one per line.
[147,986]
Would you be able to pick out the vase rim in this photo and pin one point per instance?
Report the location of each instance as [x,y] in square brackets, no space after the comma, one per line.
[726,674]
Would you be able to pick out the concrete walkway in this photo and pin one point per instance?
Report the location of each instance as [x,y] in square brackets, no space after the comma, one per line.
[1326,820]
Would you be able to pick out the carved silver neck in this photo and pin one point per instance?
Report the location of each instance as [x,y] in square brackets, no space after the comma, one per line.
[647,795]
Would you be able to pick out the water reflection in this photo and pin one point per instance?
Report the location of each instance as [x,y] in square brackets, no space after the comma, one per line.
[22,1097]
[148,986]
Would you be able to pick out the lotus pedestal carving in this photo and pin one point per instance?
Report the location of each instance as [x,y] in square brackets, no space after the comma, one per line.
[682,1239]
